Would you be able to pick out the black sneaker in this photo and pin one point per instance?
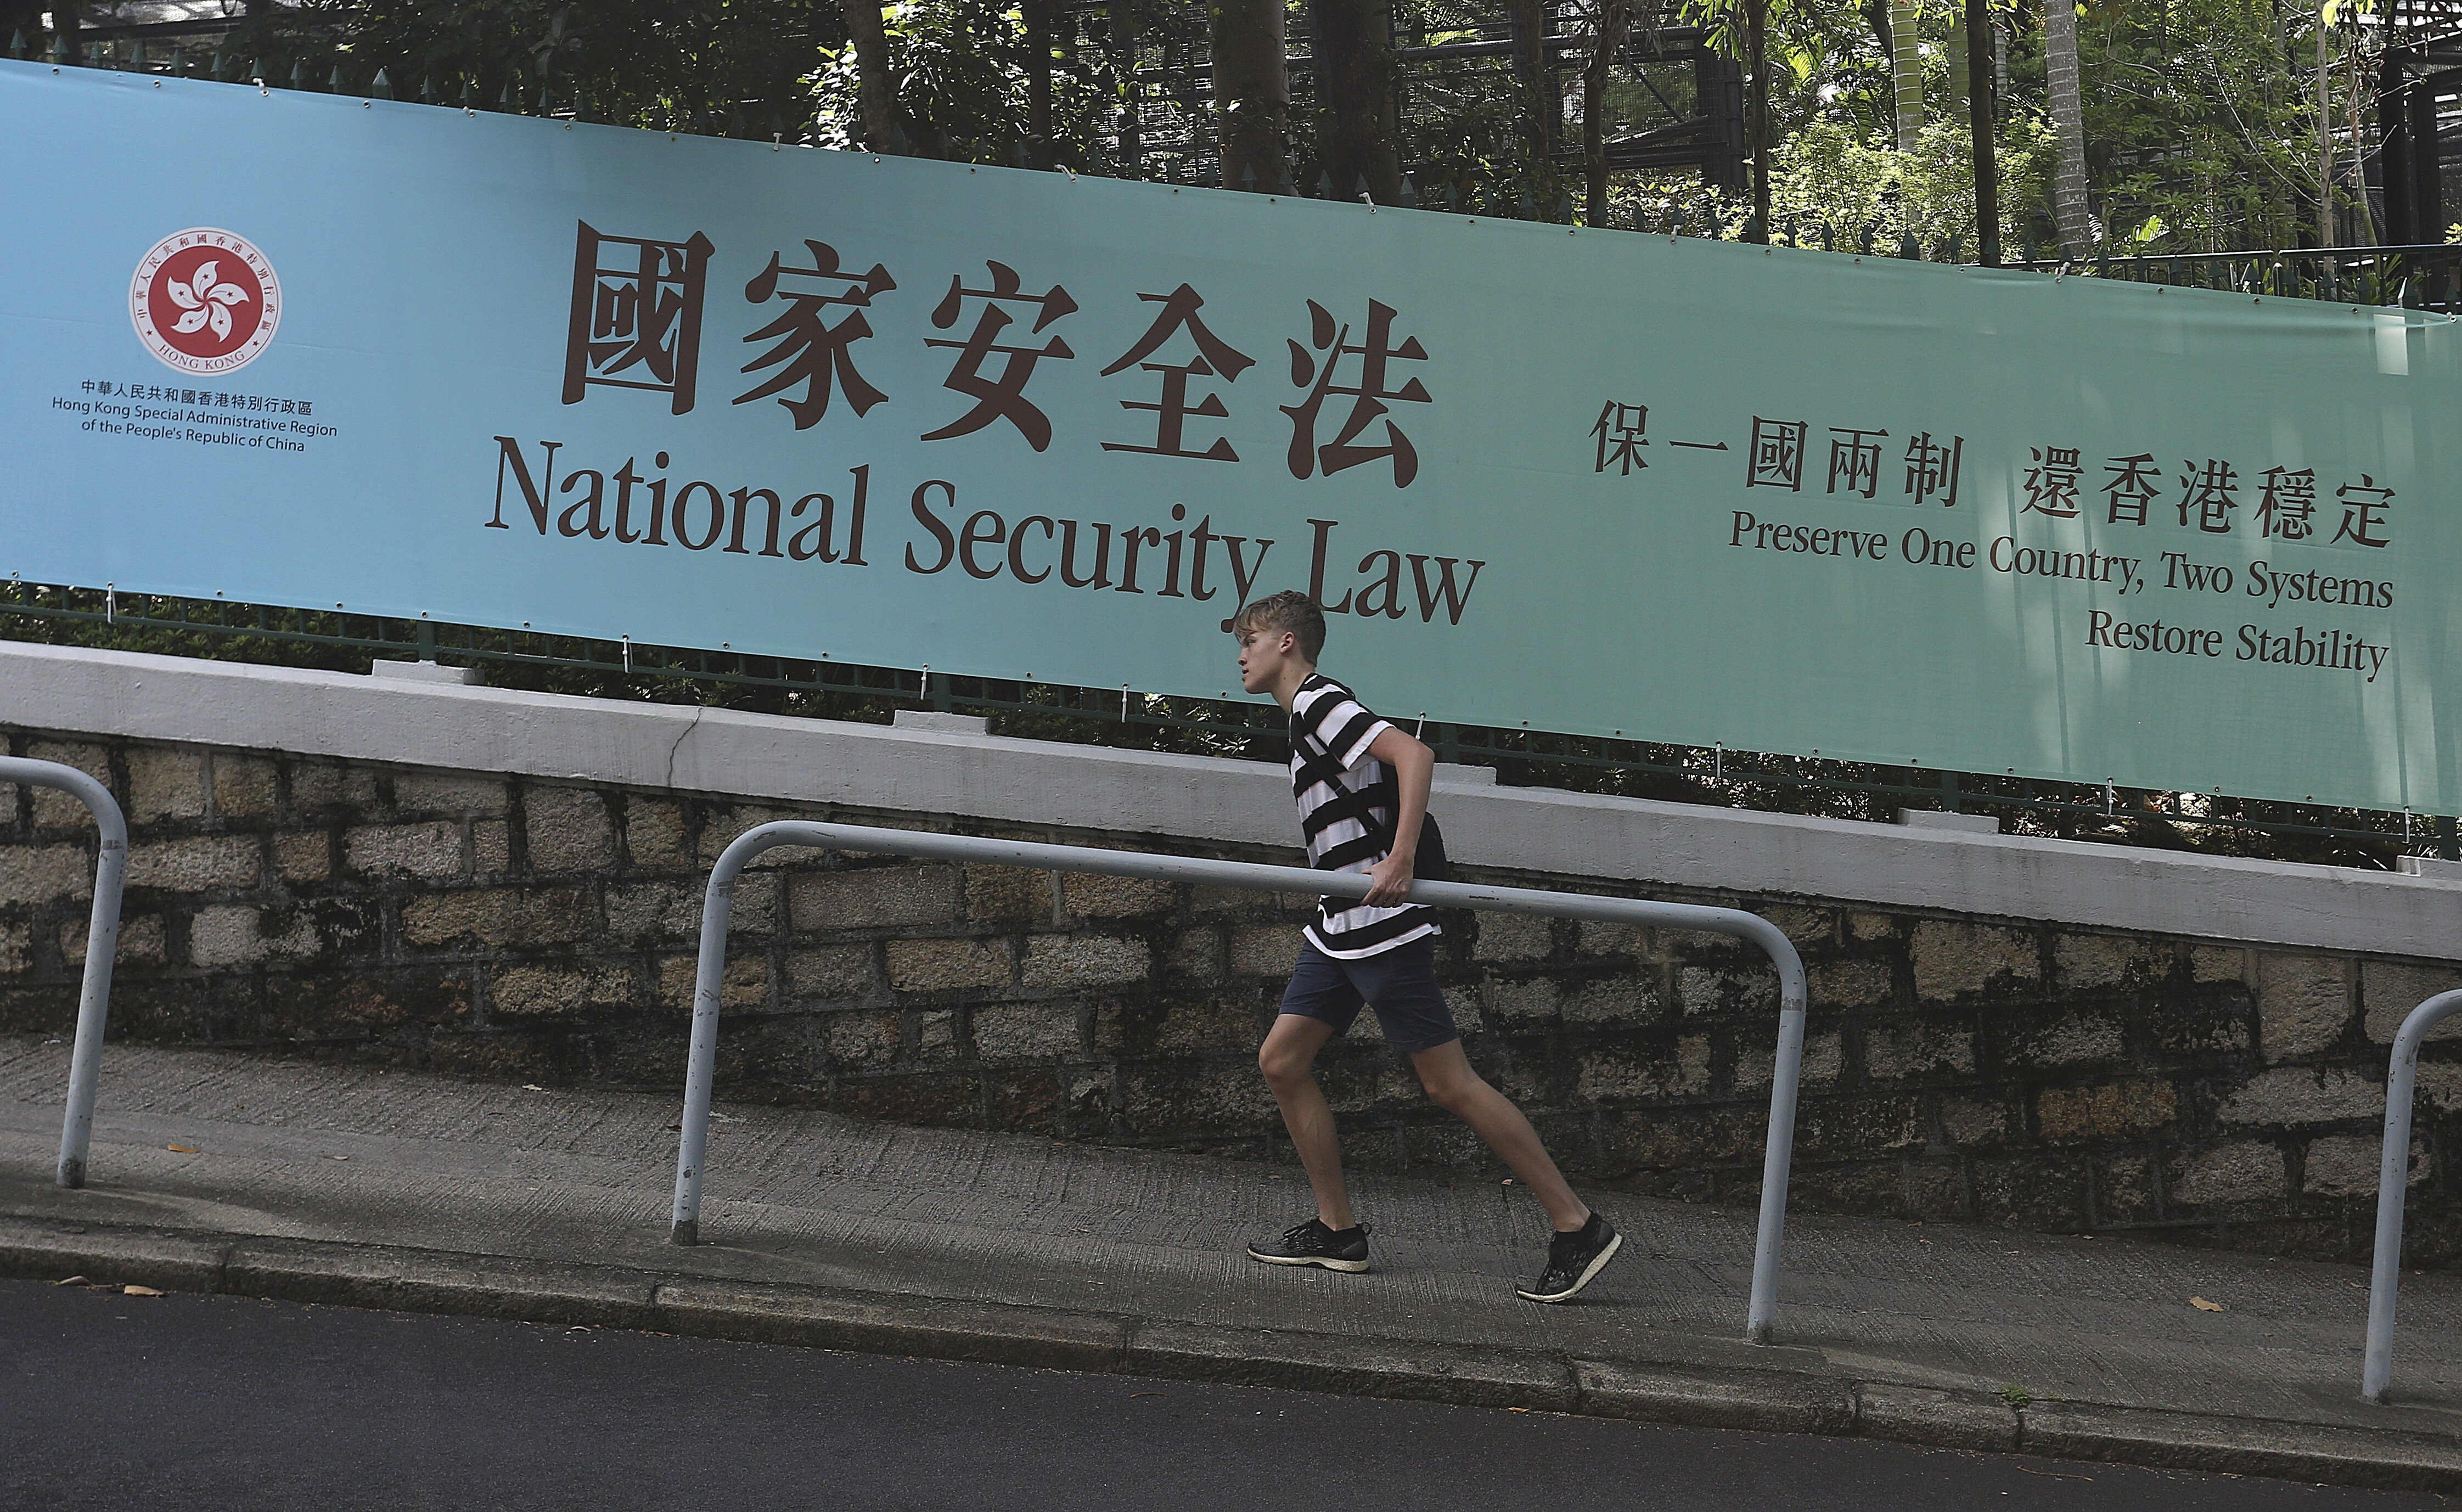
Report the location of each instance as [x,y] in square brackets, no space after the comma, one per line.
[1312,1244]
[1573,1259]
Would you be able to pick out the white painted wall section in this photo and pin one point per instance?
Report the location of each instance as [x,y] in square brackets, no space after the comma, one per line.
[944,768]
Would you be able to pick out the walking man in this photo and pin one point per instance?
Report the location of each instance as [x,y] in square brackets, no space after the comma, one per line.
[1362,786]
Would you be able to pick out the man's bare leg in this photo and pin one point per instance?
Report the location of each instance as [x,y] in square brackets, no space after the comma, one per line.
[1447,1075]
[1288,1060]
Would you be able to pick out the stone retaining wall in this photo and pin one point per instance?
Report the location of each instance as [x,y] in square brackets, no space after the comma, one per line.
[1988,1069]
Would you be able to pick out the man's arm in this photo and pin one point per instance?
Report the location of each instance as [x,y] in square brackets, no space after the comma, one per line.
[1414,766]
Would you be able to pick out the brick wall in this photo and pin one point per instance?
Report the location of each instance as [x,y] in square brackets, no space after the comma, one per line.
[1983,1069]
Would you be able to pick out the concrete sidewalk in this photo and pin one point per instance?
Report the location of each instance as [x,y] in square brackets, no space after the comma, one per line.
[396,1189]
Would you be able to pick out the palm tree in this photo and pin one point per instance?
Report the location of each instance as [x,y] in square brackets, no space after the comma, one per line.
[1905,62]
[1614,17]
[2068,126]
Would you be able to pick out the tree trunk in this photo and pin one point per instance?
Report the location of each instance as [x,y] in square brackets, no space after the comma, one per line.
[2068,126]
[1543,110]
[2325,230]
[1757,117]
[872,86]
[1252,94]
[1614,17]
[1124,42]
[1982,120]
[1906,67]
[1961,50]
[1354,49]
[2360,151]
[1038,82]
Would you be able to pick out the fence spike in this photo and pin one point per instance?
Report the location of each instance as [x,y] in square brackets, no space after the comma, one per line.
[507,103]
[298,73]
[335,85]
[381,86]
[1323,185]
[17,44]
[1409,198]
[1909,248]
[136,60]
[427,90]
[60,57]
[470,94]
[179,62]
[221,65]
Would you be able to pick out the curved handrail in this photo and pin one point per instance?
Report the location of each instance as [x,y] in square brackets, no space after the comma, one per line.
[717,903]
[101,945]
[2393,1184]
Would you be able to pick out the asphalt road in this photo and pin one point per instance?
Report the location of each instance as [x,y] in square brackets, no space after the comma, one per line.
[129,1403]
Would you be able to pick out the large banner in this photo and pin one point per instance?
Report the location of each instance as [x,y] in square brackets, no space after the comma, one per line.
[297,349]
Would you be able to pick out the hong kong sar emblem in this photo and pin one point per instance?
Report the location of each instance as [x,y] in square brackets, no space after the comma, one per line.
[204,301]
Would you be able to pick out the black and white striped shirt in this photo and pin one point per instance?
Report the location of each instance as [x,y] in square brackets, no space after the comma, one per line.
[1348,802]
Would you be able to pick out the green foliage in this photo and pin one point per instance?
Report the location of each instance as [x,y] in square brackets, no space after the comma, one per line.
[2199,113]
[711,67]
[2200,116]
[960,72]
[1829,173]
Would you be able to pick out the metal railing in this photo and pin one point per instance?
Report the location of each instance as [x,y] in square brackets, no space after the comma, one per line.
[101,945]
[717,903]
[2393,1182]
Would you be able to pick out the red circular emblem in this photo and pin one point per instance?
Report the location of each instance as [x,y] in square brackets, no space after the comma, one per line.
[204,301]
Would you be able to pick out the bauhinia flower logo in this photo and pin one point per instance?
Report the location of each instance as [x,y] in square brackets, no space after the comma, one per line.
[204,301]
[207,300]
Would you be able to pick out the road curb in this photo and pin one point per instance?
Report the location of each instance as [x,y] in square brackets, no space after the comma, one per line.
[1786,1401]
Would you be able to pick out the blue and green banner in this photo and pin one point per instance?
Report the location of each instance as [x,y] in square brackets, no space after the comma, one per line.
[296,349]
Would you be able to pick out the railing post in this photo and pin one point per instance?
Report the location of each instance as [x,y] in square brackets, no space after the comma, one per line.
[101,945]
[2393,1184]
[1777,1155]
[709,972]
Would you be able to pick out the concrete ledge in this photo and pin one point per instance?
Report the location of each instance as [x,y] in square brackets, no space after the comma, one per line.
[1412,1370]
[1717,1398]
[957,772]
[1963,823]
[2231,1446]
[423,672]
[1769,1400]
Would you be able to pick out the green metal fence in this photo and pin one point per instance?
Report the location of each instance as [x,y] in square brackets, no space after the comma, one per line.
[2413,277]
[1247,729]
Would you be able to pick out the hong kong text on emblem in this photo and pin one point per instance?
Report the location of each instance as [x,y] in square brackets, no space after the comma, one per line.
[204,301]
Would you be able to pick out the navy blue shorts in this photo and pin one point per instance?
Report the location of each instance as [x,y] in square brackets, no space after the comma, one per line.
[1400,983]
